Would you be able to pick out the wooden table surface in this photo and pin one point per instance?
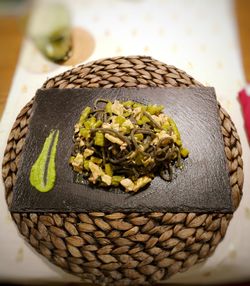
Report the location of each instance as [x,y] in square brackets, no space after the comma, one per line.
[11,35]
[242,11]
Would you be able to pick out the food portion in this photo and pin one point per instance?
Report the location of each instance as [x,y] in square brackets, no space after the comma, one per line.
[126,144]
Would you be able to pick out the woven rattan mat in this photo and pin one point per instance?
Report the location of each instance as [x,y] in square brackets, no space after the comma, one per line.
[119,248]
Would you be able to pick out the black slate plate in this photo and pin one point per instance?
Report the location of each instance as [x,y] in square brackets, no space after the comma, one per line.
[202,186]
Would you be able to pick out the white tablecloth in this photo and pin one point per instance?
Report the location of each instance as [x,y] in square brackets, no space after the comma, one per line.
[199,37]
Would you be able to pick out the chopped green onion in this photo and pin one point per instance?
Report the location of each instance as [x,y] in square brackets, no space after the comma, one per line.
[174,127]
[143,120]
[85,114]
[99,139]
[120,119]
[128,103]
[108,169]
[184,152]
[116,180]
[139,136]
[85,133]
[108,107]
[86,165]
[96,160]
[90,122]
[155,109]
[136,104]
[98,124]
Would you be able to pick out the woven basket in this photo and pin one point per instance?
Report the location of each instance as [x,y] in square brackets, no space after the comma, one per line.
[120,248]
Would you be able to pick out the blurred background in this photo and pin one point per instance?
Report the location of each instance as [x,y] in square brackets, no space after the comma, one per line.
[206,38]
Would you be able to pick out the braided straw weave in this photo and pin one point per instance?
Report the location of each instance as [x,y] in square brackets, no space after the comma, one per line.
[120,248]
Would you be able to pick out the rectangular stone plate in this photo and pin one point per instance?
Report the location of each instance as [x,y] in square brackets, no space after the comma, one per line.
[202,186]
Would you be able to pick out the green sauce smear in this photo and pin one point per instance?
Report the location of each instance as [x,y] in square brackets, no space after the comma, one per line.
[43,172]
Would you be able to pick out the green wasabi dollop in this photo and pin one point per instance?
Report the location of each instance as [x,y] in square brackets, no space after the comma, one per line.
[43,171]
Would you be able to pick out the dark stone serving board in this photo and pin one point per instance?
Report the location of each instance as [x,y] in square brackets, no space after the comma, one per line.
[202,186]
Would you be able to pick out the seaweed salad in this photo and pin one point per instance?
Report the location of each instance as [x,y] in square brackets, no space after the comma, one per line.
[126,144]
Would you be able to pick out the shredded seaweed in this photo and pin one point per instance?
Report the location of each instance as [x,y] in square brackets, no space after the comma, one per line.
[126,144]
